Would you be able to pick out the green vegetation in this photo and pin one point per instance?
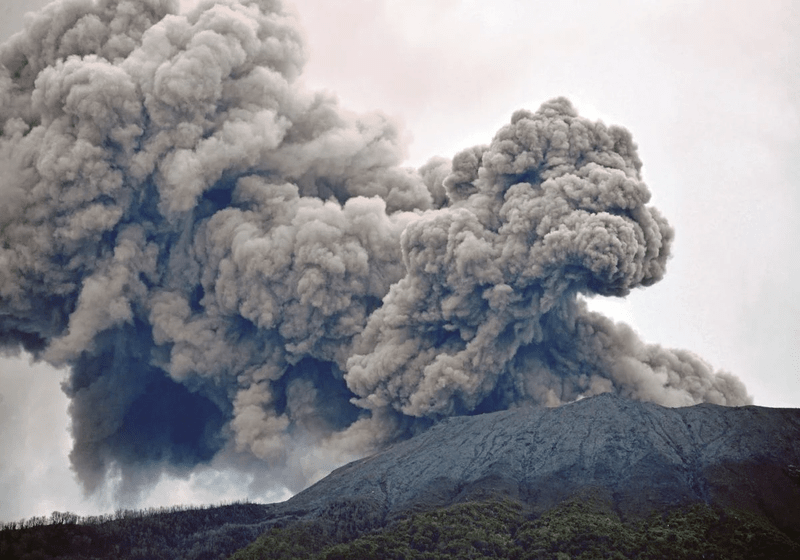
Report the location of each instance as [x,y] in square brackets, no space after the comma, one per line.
[583,528]
[168,533]
[579,529]
[443,533]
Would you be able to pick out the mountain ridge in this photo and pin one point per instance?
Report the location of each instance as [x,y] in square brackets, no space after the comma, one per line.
[640,456]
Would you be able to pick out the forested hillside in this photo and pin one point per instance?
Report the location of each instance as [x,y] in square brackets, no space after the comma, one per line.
[198,534]
[585,527]
[576,529]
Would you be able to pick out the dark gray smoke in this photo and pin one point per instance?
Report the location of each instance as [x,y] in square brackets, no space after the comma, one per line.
[234,266]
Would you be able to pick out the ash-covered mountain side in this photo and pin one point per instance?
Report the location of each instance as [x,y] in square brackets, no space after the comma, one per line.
[640,456]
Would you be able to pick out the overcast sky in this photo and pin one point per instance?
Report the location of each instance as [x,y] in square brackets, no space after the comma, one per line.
[709,90]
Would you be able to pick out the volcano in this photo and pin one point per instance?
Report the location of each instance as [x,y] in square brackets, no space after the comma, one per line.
[640,457]
[602,475]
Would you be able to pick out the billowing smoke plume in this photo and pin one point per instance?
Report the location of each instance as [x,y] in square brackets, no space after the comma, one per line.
[230,264]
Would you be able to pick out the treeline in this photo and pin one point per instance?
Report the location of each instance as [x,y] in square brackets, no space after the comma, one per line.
[206,533]
[578,529]
[69,518]
[583,528]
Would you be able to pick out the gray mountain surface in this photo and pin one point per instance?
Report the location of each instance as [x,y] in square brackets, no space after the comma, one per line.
[640,457]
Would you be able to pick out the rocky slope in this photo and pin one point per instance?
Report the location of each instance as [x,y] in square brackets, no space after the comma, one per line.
[638,456]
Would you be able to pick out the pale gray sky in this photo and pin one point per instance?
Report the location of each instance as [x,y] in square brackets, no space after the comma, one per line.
[710,91]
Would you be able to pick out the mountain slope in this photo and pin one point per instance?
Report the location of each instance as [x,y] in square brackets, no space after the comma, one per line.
[596,468]
[579,529]
[640,456]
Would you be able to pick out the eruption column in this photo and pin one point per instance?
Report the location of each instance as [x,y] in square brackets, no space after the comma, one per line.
[235,267]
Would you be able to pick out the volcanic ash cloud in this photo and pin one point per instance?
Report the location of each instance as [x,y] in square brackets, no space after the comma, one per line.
[233,266]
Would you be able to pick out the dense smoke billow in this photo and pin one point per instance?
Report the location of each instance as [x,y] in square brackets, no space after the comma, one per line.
[234,266]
